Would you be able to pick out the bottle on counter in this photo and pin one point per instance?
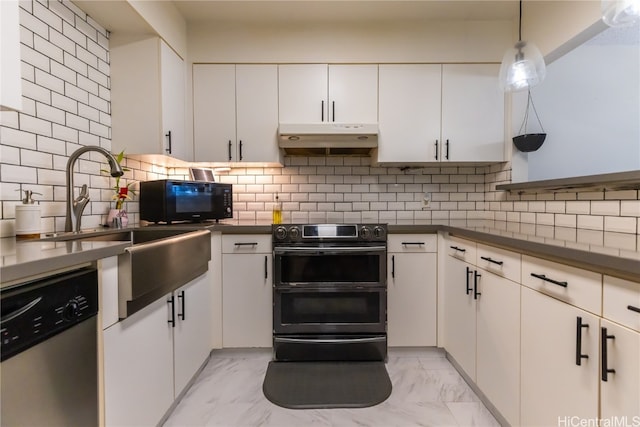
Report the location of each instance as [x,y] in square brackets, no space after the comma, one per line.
[277,211]
[28,217]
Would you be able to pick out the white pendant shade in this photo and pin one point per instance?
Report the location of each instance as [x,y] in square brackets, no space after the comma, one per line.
[522,67]
[620,13]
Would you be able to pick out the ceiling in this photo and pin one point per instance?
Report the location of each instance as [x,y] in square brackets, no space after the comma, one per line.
[317,11]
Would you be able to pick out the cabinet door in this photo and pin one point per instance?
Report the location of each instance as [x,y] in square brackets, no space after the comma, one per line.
[353,93]
[472,113]
[620,394]
[173,104]
[247,313]
[411,299]
[214,112]
[498,343]
[257,113]
[193,330]
[138,367]
[409,112]
[460,314]
[302,90]
[553,384]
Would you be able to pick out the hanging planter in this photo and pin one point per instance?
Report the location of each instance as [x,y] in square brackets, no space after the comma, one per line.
[527,142]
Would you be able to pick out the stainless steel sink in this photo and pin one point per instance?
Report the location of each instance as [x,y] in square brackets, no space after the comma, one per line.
[157,262]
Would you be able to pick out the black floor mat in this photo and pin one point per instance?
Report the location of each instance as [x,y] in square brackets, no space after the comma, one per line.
[306,385]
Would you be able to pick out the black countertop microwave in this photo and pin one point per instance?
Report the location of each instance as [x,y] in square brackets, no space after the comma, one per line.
[168,200]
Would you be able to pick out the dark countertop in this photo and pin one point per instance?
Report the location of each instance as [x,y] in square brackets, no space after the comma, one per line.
[616,254]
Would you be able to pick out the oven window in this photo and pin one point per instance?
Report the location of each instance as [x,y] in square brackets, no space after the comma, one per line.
[330,307]
[347,268]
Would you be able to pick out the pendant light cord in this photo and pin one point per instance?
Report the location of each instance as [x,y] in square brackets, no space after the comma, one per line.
[520,23]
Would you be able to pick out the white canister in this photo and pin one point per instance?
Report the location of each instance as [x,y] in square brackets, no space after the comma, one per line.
[27,221]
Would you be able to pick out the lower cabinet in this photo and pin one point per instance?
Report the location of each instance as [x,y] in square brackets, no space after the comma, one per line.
[247,309]
[560,361]
[148,360]
[460,314]
[498,343]
[620,385]
[411,291]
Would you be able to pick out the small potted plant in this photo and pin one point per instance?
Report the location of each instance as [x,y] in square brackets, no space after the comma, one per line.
[122,193]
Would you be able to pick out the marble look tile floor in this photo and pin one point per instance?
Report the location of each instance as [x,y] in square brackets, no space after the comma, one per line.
[427,391]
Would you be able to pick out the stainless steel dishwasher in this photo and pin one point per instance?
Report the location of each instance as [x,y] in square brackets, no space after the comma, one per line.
[49,360]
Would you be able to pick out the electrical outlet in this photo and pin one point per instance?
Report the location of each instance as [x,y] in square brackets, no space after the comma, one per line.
[426,200]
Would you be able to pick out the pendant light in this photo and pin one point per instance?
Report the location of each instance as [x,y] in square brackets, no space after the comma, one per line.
[620,13]
[523,65]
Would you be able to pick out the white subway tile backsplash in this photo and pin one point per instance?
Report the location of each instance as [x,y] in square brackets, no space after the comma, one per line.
[75,35]
[64,133]
[34,24]
[605,208]
[75,64]
[18,174]
[591,222]
[62,11]
[630,208]
[51,114]
[48,49]
[620,224]
[17,138]
[578,207]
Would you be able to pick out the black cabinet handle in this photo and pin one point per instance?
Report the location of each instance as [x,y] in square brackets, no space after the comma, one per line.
[168,135]
[632,308]
[172,319]
[468,274]
[604,357]
[546,279]
[246,243]
[486,258]
[229,150]
[322,111]
[446,152]
[333,110]
[455,248]
[436,149]
[579,355]
[181,298]
[413,243]
[240,151]
[476,294]
[393,266]
[266,272]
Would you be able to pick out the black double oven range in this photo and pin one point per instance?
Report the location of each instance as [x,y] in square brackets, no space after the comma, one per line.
[329,292]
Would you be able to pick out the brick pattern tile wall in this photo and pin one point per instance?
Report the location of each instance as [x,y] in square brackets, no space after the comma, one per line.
[66,97]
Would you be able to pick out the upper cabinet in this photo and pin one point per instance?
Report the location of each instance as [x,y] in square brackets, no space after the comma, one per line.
[440,113]
[147,98]
[472,113]
[235,113]
[314,93]
[10,84]
[409,112]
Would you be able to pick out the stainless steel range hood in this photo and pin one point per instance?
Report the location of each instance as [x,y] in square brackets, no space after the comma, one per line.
[318,139]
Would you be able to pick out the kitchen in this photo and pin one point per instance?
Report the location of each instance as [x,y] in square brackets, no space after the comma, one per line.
[340,189]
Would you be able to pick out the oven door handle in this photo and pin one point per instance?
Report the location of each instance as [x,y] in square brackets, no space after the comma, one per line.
[330,341]
[284,250]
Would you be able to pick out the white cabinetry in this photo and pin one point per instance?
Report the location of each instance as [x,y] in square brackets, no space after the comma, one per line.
[409,112]
[498,330]
[556,380]
[433,113]
[472,114]
[193,330]
[313,93]
[247,313]
[147,97]
[10,71]
[150,356]
[411,290]
[460,304]
[138,367]
[620,350]
[235,113]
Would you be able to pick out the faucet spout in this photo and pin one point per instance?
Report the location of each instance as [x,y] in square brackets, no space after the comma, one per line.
[76,206]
